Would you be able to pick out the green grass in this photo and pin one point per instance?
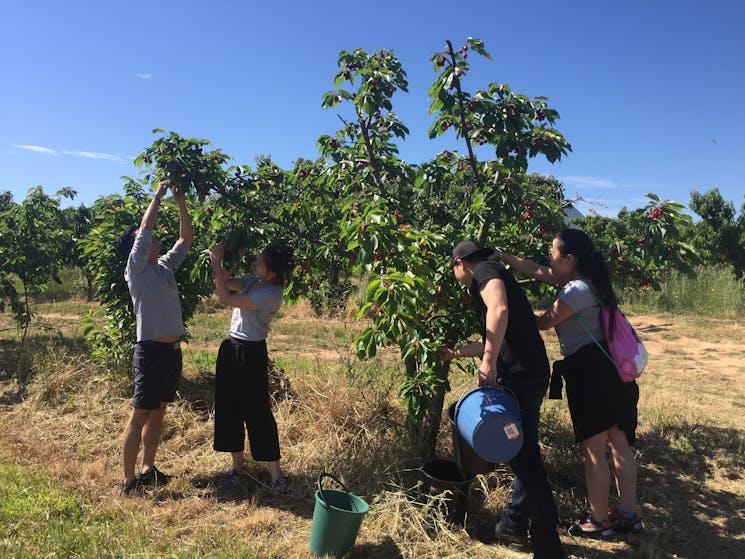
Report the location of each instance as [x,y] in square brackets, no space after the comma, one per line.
[714,291]
[39,518]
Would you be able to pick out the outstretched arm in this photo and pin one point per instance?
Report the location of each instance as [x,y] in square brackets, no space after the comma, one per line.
[186,235]
[528,267]
[471,349]
[151,213]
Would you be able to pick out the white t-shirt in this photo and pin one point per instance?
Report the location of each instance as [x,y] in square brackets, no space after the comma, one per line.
[253,326]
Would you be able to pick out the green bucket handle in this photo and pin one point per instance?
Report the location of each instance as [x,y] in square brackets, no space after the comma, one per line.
[320,489]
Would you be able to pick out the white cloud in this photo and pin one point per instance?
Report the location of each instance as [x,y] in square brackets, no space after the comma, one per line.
[589,182]
[143,76]
[73,153]
[604,183]
[92,155]
[37,149]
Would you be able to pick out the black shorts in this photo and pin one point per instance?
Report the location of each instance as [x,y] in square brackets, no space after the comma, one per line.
[598,398]
[157,369]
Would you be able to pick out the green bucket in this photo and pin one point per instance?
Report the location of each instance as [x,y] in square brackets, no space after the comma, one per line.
[337,517]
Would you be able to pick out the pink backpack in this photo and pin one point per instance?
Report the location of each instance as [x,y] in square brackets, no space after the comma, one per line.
[627,352]
[626,349]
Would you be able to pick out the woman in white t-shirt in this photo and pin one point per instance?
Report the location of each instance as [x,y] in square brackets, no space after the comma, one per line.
[603,408]
[241,379]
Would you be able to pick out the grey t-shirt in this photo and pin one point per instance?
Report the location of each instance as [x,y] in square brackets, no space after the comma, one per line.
[578,295]
[253,326]
[153,289]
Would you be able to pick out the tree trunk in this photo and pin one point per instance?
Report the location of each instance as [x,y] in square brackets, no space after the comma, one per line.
[89,289]
[424,434]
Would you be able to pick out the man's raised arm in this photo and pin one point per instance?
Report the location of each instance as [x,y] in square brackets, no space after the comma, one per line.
[151,214]
[186,235]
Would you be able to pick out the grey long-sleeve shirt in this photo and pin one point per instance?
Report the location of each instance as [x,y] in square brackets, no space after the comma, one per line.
[153,288]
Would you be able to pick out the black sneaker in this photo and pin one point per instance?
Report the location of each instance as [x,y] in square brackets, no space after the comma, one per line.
[131,487]
[514,539]
[153,477]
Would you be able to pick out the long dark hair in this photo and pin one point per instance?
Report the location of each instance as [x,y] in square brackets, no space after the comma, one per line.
[277,259]
[590,263]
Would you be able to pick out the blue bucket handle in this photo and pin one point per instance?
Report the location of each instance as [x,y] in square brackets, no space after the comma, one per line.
[320,488]
[498,386]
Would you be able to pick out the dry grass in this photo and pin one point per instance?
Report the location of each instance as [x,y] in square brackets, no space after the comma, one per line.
[343,418]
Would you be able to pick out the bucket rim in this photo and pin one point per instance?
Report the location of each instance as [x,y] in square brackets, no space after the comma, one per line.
[329,507]
[481,389]
[469,477]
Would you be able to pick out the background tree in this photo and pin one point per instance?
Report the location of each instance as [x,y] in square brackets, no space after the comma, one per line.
[641,245]
[402,220]
[8,292]
[77,221]
[33,242]
[720,235]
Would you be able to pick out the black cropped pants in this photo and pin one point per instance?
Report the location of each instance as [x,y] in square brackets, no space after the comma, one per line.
[242,400]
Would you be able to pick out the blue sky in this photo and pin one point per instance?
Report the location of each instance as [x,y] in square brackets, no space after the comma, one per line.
[651,92]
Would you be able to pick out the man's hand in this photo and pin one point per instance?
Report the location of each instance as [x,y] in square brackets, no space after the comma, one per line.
[487,376]
[162,189]
[178,195]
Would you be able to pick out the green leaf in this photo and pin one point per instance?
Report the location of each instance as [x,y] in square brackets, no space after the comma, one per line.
[477,46]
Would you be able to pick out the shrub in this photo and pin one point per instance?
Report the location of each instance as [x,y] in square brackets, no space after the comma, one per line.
[713,291]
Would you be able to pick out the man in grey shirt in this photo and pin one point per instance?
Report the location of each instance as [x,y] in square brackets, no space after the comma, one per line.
[157,354]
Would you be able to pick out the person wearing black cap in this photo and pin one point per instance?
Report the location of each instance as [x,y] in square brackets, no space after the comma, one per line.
[514,355]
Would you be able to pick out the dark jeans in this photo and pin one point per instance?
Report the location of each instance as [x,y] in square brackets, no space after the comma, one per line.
[532,506]
[242,398]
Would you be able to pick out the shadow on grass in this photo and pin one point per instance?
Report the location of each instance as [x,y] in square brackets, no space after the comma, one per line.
[687,510]
[253,485]
[387,549]
[686,514]
[654,328]
[199,392]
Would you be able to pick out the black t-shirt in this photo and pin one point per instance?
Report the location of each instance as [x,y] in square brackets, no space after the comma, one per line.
[523,354]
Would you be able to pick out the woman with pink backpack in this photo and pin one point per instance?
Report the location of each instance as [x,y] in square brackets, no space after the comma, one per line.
[603,407]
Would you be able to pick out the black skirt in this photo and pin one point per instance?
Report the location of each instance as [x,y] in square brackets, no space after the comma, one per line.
[598,398]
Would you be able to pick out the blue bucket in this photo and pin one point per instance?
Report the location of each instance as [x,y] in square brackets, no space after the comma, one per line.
[488,419]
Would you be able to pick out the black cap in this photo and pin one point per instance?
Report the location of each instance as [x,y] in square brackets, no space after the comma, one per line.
[464,249]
